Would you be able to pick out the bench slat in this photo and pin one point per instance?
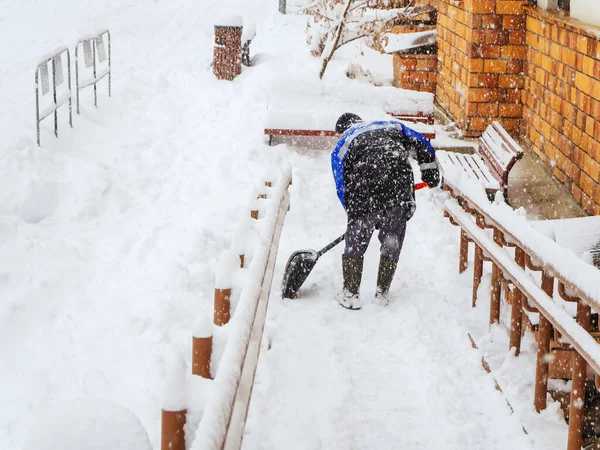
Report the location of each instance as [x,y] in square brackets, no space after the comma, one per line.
[320,133]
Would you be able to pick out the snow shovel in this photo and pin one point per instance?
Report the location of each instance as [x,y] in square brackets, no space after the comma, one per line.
[301,263]
[299,266]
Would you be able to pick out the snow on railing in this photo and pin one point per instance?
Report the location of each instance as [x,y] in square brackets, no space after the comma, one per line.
[535,251]
[225,349]
[50,70]
[50,77]
[95,52]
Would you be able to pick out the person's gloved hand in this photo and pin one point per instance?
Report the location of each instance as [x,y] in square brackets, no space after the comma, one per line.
[431,177]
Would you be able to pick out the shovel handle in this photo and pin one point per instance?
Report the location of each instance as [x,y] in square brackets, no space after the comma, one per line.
[420,185]
[330,246]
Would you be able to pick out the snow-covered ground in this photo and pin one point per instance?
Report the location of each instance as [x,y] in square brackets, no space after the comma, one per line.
[110,236]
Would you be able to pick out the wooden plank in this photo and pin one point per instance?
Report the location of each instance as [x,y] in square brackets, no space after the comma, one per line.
[290,132]
[237,422]
[319,133]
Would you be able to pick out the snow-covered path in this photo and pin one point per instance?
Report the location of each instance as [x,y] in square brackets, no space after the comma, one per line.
[110,235]
[403,376]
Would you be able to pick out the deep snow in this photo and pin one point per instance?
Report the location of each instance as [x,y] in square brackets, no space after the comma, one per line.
[110,238]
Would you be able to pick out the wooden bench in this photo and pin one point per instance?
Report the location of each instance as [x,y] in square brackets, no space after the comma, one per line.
[304,127]
[495,157]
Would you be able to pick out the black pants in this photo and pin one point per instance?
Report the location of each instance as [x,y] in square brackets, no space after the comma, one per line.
[392,228]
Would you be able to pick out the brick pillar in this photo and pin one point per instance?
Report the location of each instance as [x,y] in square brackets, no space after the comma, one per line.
[481,47]
[496,61]
[227,57]
[415,72]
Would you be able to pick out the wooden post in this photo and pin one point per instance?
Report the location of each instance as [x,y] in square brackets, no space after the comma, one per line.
[576,408]
[477,273]
[201,355]
[495,295]
[544,332]
[241,261]
[496,284]
[172,434]
[254,208]
[464,252]
[222,306]
[516,315]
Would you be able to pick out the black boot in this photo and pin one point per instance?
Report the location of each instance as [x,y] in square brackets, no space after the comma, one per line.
[385,275]
[352,273]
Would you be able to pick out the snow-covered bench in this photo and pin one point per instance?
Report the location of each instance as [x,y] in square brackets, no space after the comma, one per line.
[495,157]
[310,123]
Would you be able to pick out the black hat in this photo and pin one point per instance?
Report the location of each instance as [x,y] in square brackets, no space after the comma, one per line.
[345,121]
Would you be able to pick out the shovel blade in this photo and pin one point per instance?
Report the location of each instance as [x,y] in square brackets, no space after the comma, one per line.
[297,269]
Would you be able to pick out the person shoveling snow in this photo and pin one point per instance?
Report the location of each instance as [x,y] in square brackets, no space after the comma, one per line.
[374,182]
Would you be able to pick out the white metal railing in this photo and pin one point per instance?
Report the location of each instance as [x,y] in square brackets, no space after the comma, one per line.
[50,79]
[95,53]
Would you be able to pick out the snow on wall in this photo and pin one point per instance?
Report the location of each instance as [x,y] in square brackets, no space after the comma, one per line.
[395,42]
[221,393]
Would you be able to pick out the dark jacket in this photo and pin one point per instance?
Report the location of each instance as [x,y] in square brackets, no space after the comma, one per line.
[371,166]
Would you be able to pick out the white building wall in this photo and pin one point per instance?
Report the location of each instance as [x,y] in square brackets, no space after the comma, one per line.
[587,11]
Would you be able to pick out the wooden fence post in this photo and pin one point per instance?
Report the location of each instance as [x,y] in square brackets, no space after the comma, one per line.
[202,341]
[516,310]
[477,273]
[464,252]
[544,330]
[222,306]
[174,411]
[576,408]
[172,434]
[254,207]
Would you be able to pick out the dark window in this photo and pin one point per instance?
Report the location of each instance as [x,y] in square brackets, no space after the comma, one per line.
[564,5]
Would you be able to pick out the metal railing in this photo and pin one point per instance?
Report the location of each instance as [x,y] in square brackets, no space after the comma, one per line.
[94,53]
[53,65]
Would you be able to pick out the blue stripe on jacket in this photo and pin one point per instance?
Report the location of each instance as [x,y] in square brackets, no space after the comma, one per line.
[338,155]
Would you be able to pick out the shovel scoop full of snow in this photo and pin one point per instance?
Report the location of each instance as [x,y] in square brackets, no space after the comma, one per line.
[299,265]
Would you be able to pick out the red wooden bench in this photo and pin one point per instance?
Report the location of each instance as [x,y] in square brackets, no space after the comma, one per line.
[313,130]
[495,157]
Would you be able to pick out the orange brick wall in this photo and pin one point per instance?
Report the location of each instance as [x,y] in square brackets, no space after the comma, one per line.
[561,116]
[481,48]
[415,72]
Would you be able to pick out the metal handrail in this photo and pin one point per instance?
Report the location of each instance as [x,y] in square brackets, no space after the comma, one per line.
[39,117]
[93,42]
